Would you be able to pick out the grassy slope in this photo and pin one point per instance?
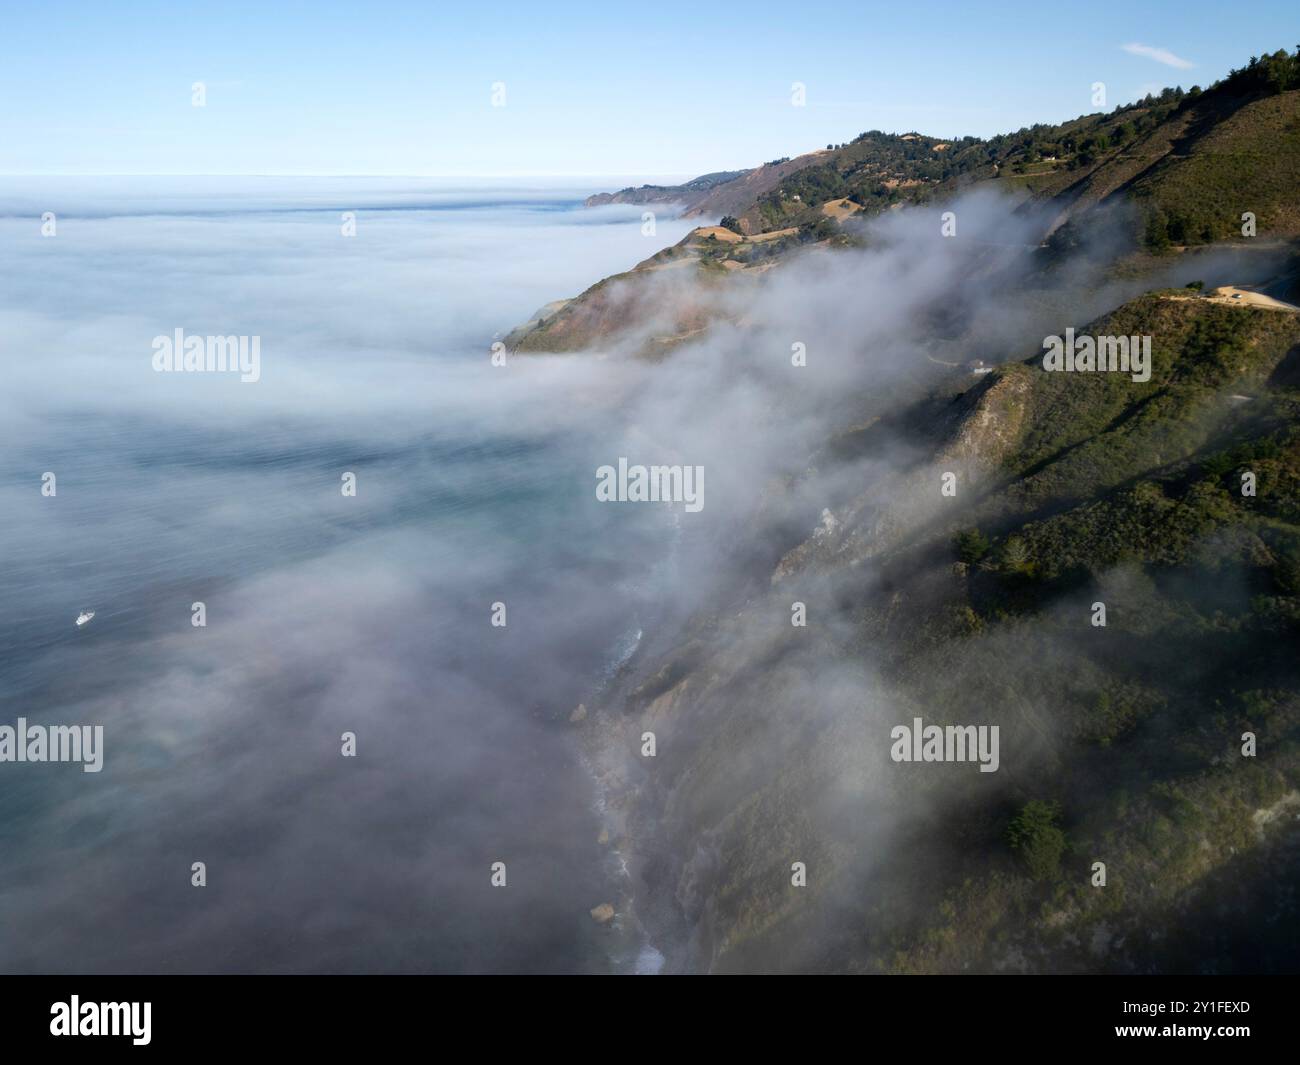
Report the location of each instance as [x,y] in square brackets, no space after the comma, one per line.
[1114,492]
[1248,161]
[1129,495]
[1191,164]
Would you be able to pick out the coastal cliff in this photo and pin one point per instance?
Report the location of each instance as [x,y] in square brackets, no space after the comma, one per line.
[1099,584]
[773,740]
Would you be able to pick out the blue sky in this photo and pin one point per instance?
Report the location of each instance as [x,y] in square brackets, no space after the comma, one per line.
[593,89]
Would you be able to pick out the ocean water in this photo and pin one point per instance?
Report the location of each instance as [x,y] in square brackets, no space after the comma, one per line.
[325,613]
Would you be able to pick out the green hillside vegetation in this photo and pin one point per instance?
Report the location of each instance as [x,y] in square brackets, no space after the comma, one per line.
[1129,495]
[1184,166]
[1248,162]
[1193,162]
[879,169]
[1122,742]
[1108,472]
[1087,432]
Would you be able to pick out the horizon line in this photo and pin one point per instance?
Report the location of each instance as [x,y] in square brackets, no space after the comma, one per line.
[390,174]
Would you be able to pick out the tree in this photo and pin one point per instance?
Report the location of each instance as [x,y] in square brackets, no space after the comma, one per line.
[733,224]
[1287,572]
[1157,231]
[972,545]
[1037,838]
[1014,554]
[822,229]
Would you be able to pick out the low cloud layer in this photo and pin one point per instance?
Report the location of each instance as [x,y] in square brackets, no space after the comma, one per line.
[476,484]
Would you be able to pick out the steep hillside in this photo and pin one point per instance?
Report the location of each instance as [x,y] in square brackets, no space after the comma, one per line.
[879,170]
[687,194]
[662,301]
[727,192]
[1121,743]
[1192,161]
[735,197]
[1114,580]
[1166,173]
[1247,161]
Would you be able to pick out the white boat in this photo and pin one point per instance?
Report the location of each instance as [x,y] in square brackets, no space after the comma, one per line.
[84,616]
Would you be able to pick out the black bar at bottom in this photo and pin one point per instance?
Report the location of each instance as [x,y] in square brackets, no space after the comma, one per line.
[342,1013]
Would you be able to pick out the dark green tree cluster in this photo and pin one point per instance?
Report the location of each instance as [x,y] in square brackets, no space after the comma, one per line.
[1167,226]
[972,545]
[1035,835]
[1273,73]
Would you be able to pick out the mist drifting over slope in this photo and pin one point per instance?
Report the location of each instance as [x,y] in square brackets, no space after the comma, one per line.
[773,741]
[371,614]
